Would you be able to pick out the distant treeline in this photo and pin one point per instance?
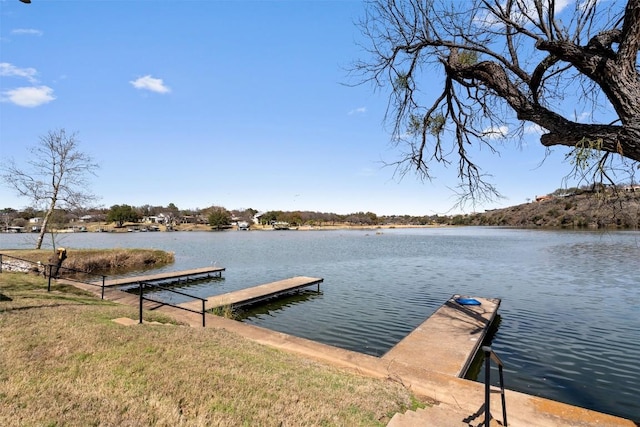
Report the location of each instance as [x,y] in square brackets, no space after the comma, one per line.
[588,206]
[172,214]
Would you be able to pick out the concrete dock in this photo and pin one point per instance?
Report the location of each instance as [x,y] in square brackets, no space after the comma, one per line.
[448,340]
[255,294]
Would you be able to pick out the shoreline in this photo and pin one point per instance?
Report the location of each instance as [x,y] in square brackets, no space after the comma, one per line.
[147,228]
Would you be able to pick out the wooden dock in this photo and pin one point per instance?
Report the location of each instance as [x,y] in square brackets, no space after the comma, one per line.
[197,273]
[448,340]
[255,294]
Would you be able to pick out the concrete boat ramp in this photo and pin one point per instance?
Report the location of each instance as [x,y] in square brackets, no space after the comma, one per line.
[430,361]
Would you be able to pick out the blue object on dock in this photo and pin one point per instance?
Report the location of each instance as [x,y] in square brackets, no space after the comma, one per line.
[467,301]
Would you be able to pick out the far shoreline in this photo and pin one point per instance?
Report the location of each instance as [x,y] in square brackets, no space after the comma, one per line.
[153,228]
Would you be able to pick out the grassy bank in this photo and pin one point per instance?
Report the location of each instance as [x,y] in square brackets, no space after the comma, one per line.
[100,261]
[65,362]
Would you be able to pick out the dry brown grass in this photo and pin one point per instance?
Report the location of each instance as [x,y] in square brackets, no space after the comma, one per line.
[100,260]
[64,362]
[578,211]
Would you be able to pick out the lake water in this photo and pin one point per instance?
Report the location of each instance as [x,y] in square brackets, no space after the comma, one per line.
[570,312]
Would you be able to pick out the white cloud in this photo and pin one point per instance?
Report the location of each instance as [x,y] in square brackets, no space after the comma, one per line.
[582,117]
[522,13]
[561,5]
[534,129]
[27,32]
[149,83]
[496,132]
[30,97]
[359,110]
[10,70]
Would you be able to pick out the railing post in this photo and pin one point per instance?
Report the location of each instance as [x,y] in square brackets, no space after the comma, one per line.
[140,290]
[203,312]
[102,296]
[504,403]
[487,386]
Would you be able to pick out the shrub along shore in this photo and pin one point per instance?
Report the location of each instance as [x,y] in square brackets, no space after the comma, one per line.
[65,362]
[99,261]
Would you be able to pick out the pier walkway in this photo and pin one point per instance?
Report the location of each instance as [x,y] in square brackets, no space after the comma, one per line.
[197,273]
[448,340]
[255,294]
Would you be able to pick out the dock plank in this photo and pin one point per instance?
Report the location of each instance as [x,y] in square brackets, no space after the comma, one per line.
[163,276]
[254,294]
[448,340]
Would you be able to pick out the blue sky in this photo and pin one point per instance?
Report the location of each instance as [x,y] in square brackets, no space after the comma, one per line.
[237,104]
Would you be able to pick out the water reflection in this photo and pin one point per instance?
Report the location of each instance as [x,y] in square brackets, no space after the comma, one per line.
[272,307]
[476,368]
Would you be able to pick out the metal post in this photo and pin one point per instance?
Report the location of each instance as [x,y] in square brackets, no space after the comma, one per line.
[203,312]
[487,386]
[102,296]
[49,282]
[504,403]
[140,291]
[0,263]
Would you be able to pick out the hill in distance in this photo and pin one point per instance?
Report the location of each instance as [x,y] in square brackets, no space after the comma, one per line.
[606,209]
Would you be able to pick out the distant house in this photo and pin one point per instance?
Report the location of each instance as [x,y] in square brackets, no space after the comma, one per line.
[188,219]
[35,220]
[160,219]
[257,216]
[86,218]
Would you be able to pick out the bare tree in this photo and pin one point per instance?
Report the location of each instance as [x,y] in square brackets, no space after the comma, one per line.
[506,62]
[57,177]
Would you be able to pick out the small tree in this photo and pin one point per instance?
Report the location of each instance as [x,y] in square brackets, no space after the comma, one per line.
[57,177]
[271,216]
[219,217]
[7,215]
[172,214]
[122,213]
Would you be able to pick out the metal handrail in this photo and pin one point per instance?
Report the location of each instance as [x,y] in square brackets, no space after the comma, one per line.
[101,284]
[141,286]
[490,355]
[49,267]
